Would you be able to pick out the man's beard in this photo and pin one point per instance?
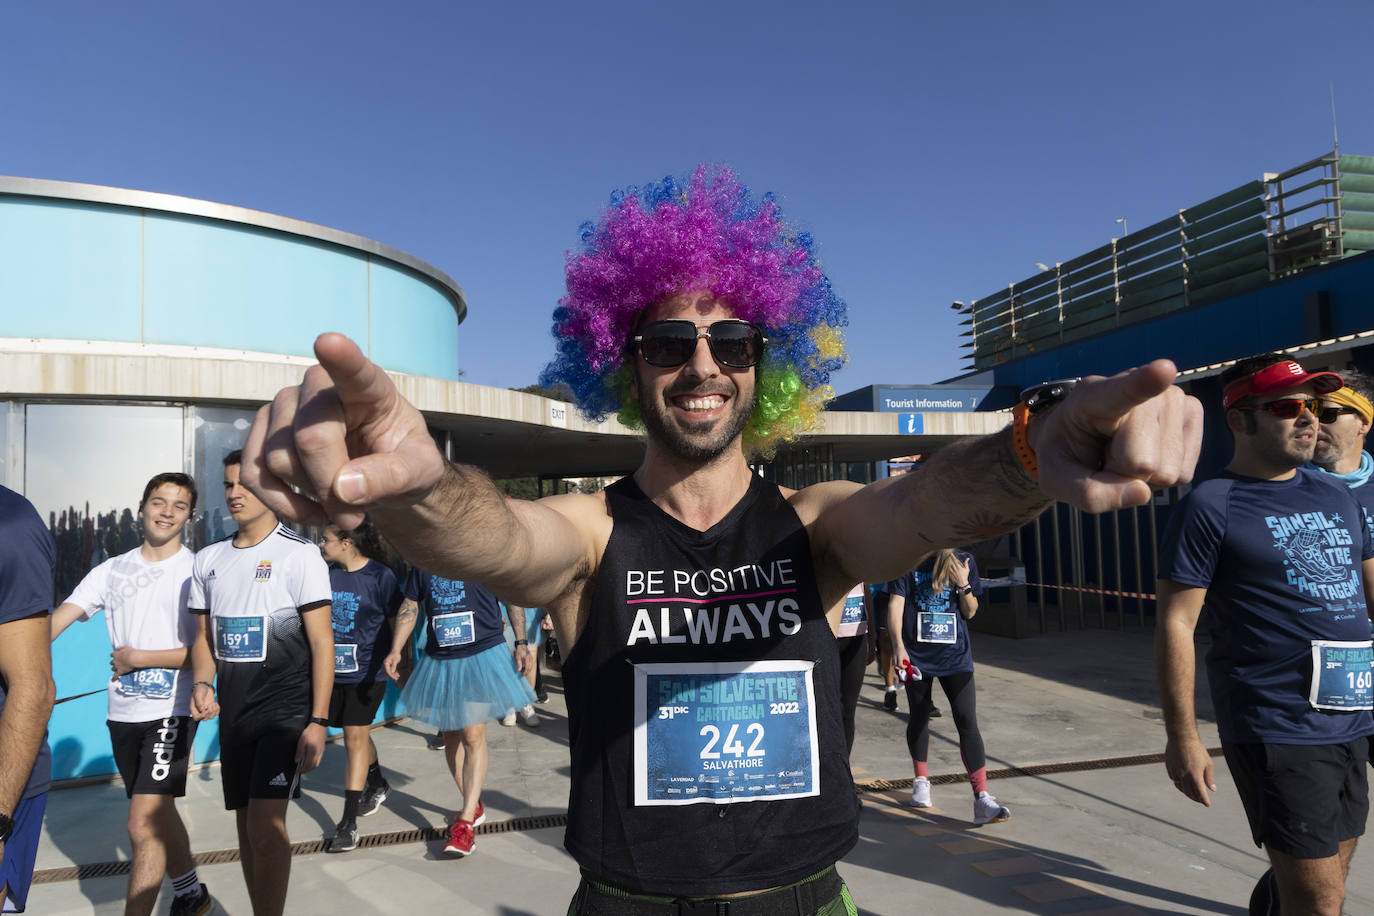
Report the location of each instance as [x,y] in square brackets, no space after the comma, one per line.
[1286,452]
[682,443]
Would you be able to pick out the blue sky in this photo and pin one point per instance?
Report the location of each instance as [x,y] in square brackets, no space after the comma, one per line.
[935,152]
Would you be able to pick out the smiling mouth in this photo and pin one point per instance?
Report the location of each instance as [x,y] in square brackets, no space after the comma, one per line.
[701,403]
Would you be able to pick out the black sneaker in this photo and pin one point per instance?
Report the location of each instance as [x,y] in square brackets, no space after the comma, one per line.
[435,742]
[372,799]
[890,701]
[935,712]
[197,904]
[345,838]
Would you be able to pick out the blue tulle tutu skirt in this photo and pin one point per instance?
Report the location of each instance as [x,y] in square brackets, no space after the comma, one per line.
[453,693]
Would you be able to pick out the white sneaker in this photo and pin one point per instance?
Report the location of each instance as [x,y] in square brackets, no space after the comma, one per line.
[529,716]
[920,792]
[508,719]
[987,811]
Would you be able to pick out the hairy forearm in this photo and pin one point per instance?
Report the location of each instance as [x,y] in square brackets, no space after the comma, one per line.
[467,529]
[970,491]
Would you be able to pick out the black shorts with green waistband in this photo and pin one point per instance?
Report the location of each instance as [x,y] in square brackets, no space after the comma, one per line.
[822,894]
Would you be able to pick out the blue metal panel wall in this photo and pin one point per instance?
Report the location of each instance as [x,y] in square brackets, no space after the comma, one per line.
[69,268]
[413,325]
[219,285]
[1266,319]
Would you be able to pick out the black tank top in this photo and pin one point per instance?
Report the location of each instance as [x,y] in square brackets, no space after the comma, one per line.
[675,613]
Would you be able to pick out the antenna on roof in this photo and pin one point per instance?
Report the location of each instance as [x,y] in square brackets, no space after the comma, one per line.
[1335,137]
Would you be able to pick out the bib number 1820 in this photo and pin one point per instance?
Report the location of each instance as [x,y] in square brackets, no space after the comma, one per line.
[732,746]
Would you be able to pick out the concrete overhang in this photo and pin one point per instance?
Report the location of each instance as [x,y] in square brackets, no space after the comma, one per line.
[509,433]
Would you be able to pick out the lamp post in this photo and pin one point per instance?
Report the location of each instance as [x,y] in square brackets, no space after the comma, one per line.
[1125,229]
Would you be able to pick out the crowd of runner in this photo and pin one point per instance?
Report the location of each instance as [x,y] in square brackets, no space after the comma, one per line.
[693,311]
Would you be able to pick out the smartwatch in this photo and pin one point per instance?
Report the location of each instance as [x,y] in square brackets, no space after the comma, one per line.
[319,720]
[964,590]
[1040,398]
[521,642]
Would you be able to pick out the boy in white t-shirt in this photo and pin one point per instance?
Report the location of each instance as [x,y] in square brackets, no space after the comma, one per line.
[143,594]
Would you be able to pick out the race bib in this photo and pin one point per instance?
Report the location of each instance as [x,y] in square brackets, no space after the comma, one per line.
[724,732]
[149,683]
[937,626]
[345,658]
[853,612]
[241,639]
[1342,675]
[454,630]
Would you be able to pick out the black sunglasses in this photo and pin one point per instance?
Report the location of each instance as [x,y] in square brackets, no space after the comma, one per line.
[1288,408]
[1331,414]
[669,344]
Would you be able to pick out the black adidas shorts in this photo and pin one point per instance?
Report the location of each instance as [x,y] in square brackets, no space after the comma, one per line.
[264,767]
[355,704]
[153,756]
[1303,800]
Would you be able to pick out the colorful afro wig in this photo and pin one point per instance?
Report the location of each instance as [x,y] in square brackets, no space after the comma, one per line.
[709,234]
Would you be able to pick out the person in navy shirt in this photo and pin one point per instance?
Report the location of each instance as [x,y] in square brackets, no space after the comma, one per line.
[26,691]
[928,610]
[1282,560]
[365,600]
[1346,416]
[465,677]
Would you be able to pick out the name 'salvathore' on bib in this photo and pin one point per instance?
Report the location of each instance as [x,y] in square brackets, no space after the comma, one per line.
[709,606]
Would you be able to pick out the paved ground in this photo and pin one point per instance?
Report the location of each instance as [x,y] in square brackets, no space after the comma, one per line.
[1089,841]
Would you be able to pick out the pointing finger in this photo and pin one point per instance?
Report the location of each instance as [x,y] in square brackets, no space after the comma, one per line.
[1113,398]
[274,492]
[357,381]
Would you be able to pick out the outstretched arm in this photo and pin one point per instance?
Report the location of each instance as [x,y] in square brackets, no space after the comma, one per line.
[348,440]
[1107,446]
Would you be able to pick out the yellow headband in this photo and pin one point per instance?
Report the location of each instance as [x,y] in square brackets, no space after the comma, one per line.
[1348,397]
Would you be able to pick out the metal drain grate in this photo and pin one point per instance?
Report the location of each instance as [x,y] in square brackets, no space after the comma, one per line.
[546,821]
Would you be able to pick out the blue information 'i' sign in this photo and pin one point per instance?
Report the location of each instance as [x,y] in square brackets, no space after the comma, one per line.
[910,424]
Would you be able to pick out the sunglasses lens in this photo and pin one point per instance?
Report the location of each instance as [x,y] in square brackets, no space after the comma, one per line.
[736,344]
[1289,408]
[666,344]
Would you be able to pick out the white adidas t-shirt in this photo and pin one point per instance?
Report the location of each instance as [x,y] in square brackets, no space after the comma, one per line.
[145,608]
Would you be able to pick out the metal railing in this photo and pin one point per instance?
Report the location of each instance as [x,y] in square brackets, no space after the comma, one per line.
[1281,224]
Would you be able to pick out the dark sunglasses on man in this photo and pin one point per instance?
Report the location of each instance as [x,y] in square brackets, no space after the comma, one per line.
[1330,413]
[668,344]
[1289,408]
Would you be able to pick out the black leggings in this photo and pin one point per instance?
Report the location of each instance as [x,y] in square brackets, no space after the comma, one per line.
[963,705]
[853,662]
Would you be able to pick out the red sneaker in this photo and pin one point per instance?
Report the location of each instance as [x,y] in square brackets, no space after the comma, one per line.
[479,817]
[460,839]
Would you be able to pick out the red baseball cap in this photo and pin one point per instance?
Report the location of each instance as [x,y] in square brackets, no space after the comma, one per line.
[1279,377]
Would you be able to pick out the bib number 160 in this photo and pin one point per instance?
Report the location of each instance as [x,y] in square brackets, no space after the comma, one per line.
[1360,680]
[732,746]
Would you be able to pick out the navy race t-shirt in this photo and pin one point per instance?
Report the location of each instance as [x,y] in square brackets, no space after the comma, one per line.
[1281,562]
[934,633]
[364,601]
[462,618]
[26,573]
